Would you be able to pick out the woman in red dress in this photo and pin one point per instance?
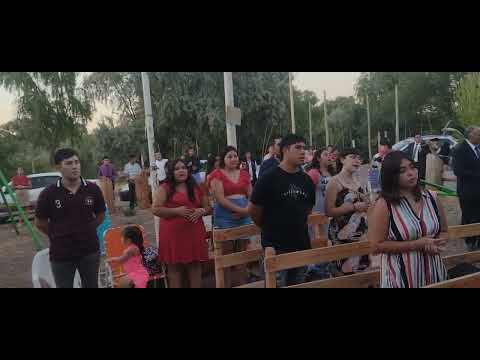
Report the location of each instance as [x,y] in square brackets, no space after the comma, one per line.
[181,205]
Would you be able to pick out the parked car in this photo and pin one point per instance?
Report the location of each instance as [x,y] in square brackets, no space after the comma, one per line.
[39,182]
[402,145]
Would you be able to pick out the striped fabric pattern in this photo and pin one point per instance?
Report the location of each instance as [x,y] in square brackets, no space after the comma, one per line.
[413,269]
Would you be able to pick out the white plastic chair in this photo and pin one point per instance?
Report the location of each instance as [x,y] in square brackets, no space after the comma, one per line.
[42,276]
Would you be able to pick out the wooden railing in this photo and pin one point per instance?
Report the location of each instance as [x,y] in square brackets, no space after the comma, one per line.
[226,261]
[275,263]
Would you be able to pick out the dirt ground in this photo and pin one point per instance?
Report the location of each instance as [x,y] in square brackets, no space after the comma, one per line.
[17,252]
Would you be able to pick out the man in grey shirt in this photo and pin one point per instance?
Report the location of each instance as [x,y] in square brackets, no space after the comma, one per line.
[132,170]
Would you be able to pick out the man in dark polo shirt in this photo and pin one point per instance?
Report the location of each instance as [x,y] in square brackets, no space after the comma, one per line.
[69,212]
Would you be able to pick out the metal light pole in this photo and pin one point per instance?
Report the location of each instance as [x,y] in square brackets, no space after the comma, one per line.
[397,121]
[310,122]
[369,130]
[327,137]
[229,102]
[292,108]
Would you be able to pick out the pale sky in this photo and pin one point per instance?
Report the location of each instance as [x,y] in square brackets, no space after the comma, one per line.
[335,83]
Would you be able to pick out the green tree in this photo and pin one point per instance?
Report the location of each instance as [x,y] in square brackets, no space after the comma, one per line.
[189,107]
[118,141]
[302,99]
[51,109]
[8,147]
[426,100]
[467,100]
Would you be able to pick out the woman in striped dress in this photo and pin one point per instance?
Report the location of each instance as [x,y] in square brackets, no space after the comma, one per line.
[408,228]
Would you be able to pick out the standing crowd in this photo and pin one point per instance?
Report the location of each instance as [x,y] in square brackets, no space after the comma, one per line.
[405,222]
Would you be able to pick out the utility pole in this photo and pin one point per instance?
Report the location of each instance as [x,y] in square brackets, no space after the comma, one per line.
[151,141]
[149,126]
[397,121]
[292,106]
[229,102]
[327,137]
[369,130]
[310,122]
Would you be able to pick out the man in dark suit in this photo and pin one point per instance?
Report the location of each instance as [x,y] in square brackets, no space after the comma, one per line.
[467,170]
[272,162]
[251,167]
[418,151]
[413,150]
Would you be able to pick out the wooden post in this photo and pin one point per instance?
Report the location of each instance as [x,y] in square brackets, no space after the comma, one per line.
[107,190]
[270,277]
[141,186]
[219,272]
[434,169]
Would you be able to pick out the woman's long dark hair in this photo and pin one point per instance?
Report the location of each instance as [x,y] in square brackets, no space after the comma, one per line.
[211,164]
[134,234]
[390,178]
[316,162]
[172,183]
[224,153]
[343,155]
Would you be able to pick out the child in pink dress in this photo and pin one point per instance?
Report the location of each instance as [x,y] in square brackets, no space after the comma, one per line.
[132,259]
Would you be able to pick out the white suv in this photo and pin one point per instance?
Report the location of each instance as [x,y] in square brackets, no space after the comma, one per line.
[39,182]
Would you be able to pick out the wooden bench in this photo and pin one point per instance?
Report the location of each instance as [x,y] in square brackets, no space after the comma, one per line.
[468,281]
[226,261]
[275,263]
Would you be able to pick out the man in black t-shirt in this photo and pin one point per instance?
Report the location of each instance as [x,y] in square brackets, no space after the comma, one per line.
[280,205]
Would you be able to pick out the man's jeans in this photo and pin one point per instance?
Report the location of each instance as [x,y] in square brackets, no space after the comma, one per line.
[473,244]
[64,272]
[133,195]
[291,276]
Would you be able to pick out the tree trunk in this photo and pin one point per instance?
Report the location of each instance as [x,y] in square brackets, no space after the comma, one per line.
[52,150]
